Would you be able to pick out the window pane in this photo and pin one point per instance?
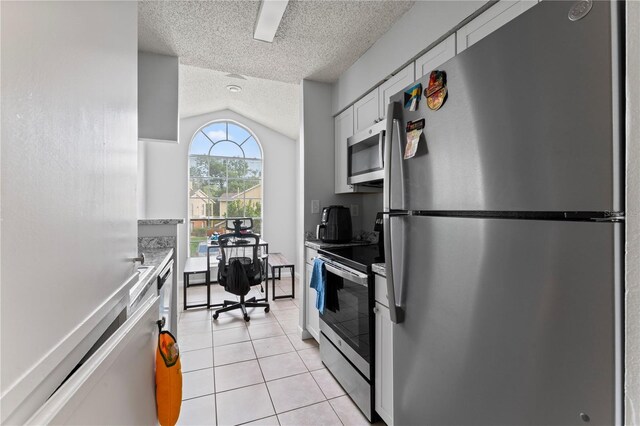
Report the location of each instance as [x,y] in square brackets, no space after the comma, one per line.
[237,133]
[251,149]
[226,149]
[198,166]
[244,188]
[254,169]
[200,144]
[216,132]
[237,168]
[213,188]
[242,208]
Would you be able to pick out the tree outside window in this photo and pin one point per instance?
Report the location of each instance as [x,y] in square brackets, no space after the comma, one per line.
[225,180]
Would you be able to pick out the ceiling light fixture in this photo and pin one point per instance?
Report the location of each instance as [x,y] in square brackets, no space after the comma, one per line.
[238,76]
[269,17]
[234,88]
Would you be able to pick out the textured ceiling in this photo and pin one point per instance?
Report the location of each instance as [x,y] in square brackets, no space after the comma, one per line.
[271,103]
[316,39]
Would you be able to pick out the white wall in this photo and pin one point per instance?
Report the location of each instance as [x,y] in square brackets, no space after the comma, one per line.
[157,97]
[632,278]
[69,131]
[167,171]
[371,205]
[421,26]
[141,185]
[317,141]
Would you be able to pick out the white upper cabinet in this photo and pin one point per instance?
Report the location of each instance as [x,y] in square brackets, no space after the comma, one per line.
[157,97]
[343,130]
[436,56]
[395,84]
[365,111]
[490,20]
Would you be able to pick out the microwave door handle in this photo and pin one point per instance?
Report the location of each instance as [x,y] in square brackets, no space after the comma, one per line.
[381,148]
[358,279]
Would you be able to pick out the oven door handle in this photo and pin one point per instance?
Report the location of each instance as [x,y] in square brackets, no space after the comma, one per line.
[361,279]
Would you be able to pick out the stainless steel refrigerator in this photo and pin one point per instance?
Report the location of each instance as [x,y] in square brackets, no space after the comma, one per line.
[504,233]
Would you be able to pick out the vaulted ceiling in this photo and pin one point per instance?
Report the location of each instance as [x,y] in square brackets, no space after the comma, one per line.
[317,39]
[271,103]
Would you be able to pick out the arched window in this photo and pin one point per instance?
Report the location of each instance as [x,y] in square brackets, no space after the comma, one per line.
[225,180]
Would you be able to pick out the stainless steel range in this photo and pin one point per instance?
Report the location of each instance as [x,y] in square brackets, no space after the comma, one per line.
[347,323]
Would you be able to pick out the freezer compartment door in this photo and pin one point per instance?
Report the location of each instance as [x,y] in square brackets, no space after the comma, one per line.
[506,322]
[527,124]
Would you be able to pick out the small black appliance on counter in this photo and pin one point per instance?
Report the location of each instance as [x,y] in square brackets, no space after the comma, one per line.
[335,226]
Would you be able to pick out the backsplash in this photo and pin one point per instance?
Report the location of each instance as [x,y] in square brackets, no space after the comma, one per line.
[371,236]
[156,242]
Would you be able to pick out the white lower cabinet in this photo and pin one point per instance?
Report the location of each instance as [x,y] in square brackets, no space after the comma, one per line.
[312,314]
[384,364]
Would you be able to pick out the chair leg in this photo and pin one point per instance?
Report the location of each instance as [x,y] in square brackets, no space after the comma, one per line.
[229,308]
[243,304]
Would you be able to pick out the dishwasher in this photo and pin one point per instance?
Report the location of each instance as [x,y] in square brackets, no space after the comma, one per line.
[165,290]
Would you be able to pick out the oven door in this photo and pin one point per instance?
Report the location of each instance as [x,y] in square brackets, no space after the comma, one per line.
[346,322]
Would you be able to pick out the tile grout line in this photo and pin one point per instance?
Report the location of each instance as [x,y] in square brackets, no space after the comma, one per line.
[196,397]
[263,378]
[213,358]
[327,399]
[310,405]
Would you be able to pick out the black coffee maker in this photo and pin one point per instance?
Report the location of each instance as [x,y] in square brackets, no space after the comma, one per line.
[335,225]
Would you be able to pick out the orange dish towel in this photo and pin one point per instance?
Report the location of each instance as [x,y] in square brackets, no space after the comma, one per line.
[168,379]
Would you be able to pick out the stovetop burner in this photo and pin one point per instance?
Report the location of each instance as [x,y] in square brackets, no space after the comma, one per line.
[357,257]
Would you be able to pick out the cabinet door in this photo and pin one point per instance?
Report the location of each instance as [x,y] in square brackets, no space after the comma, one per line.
[310,255]
[365,111]
[392,86]
[490,20]
[343,130]
[381,290]
[313,316]
[157,97]
[384,364]
[436,56]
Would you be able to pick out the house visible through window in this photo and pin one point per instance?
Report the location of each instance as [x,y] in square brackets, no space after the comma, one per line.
[225,181]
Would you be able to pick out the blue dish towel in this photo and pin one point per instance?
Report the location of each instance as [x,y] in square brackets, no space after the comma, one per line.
[319,282]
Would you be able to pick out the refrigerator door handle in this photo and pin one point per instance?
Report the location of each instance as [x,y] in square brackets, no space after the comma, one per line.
[394,312]
[386,195]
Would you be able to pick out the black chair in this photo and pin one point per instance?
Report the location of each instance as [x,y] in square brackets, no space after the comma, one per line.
[238,273]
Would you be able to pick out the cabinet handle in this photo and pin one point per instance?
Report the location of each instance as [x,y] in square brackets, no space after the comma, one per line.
[376,310]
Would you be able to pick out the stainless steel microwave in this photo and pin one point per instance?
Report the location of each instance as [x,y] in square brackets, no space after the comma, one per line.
[365,153]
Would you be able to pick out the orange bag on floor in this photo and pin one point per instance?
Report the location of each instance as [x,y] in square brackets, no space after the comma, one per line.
[168,379]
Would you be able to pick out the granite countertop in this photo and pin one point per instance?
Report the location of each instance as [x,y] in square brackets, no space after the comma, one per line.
[317,244]
[379,268]
[158,256]
[160,221]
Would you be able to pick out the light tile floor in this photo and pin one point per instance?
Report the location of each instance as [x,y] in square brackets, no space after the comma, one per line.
[256,373]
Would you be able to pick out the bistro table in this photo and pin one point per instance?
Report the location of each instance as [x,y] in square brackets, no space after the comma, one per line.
[263,253]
